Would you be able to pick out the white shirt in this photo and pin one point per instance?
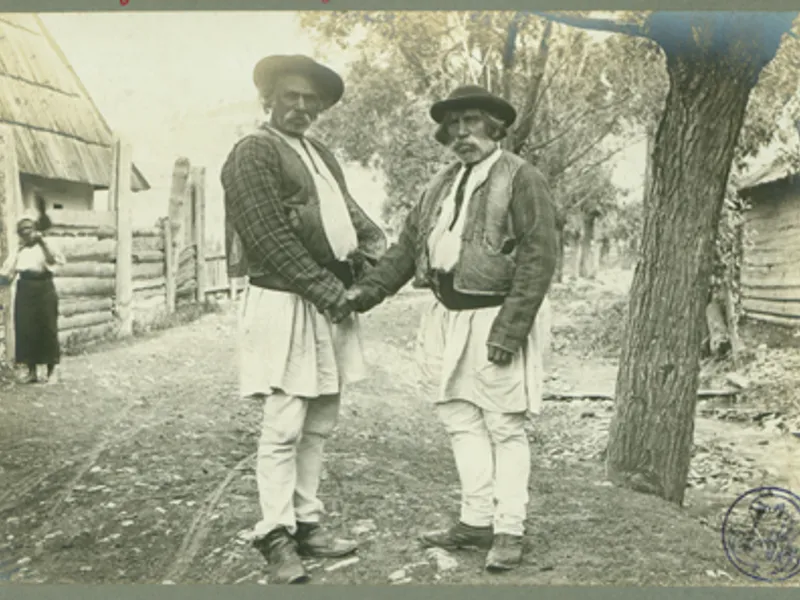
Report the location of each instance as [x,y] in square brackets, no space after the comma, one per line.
[30,258]
[444,244]
[336,221]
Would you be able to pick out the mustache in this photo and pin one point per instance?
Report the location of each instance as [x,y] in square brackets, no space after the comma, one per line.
[464,146]
[306,116]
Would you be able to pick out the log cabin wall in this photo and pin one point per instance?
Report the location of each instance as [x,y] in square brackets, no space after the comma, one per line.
[86,283]
[770,275]
[149,275]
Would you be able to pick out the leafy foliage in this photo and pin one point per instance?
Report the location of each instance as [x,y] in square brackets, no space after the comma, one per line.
[579,100]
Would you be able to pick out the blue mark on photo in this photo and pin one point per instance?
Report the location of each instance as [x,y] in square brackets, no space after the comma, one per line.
[761,534]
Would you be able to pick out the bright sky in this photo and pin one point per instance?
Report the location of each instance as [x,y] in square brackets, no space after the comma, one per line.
[179,83]
[145,68]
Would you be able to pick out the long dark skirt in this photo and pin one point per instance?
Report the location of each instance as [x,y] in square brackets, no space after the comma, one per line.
[36,321]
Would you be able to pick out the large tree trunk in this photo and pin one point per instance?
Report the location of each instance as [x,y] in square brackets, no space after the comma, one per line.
[651,434]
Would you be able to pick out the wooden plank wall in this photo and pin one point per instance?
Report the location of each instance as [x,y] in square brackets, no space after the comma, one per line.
[86,283]
[149,275]
[111,281]
[771,267]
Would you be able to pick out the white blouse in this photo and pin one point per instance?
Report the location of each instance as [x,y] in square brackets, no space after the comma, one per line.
[30,258]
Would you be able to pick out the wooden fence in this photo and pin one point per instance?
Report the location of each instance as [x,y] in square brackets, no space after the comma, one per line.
[115,278]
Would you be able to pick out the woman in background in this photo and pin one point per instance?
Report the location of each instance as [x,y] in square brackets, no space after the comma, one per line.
[36,301]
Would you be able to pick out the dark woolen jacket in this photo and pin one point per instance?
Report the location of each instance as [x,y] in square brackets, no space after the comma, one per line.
[508,246]
[274,230]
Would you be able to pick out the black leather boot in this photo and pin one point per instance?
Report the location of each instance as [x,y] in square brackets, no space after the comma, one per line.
[280,551]
[458,537]
[313,540]
[506,553]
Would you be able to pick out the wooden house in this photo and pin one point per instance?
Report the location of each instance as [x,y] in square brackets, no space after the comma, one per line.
[63,143]
[56,145]
[770,274]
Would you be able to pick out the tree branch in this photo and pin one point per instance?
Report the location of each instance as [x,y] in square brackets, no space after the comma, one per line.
[525,123]
[608,156]
[574,120]
[593,24]
[574,159]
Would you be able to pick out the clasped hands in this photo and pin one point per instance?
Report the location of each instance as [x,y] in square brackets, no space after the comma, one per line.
[356,300]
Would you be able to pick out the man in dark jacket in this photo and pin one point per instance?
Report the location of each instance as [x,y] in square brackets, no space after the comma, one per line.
[296,233]
[482,237]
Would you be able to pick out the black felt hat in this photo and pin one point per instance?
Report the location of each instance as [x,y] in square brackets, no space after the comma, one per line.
[328,81]
[474,96]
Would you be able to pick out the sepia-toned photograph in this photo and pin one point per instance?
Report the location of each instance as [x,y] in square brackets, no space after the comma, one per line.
[400,298]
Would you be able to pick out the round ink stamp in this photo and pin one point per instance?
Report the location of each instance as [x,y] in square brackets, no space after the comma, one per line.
[761,534]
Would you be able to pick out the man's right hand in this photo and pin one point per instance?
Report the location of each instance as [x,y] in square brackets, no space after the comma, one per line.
[359,299]
[340,311]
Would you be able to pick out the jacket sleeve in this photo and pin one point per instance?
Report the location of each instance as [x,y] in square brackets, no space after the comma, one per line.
[251,179]
[396,267]
[533,217]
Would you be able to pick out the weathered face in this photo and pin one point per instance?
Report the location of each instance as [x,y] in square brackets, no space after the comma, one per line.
[296,104]
[25,231]
[469,138]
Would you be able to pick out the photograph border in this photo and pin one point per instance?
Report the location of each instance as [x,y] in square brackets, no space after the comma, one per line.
[495,591]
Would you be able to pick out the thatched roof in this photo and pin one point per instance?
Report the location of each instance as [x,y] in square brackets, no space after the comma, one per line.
[59,132]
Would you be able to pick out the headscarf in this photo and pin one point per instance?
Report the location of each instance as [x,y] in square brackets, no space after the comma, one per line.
[38,217]
[30,217]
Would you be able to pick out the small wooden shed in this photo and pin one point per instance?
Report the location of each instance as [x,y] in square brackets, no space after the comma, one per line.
[770,274]
[63,143]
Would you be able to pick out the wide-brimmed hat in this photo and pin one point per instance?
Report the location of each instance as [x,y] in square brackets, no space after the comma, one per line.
[474,96]
[269,68]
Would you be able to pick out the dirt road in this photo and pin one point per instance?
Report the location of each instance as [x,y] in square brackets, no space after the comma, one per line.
[138,468]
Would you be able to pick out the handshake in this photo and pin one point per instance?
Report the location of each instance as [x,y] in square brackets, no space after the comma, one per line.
[356,299]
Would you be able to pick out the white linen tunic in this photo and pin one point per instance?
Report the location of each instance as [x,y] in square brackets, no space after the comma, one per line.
[452,343]
[285,342]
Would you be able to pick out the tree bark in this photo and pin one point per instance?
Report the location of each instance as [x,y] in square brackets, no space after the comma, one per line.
[558,276]
[605,253]
[585,263]
[515,142]
[651,433]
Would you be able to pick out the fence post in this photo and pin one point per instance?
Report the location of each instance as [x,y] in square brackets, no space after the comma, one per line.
[177,206]
[120,193]
[169,264]
[232,288]
[199,197]
[10,209]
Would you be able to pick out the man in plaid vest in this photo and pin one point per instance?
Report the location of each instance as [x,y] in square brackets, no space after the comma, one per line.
[296,233]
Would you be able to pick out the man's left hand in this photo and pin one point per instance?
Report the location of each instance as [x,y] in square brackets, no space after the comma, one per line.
[500,356]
